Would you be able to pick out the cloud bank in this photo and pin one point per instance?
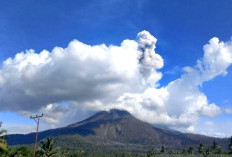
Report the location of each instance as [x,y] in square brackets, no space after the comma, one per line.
[82,78]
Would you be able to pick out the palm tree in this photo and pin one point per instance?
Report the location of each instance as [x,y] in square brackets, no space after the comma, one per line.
[3,144]
[47,148]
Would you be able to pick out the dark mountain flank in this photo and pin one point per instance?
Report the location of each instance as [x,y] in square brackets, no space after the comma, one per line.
[117,128]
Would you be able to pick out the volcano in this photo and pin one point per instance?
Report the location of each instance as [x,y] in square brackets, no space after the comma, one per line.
[117,128]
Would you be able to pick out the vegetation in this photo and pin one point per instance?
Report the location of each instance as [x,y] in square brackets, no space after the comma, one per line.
[216,148]
[3,144]
[230,146]
[21,151]
[190,150]
[162,149]
[47,148]
[201,149]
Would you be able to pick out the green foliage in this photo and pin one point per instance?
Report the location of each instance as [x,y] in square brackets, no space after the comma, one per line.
[184,152]
[126,155]
[230,145]
[47,149]
[81,153]
[190,150]
[150,153]
[216,148]
[162,149]
[207,152]
[21,152]
[3,144]
[65,153]
[201,149]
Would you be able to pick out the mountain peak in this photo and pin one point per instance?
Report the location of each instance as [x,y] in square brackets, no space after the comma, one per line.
[116,113]
[110,115]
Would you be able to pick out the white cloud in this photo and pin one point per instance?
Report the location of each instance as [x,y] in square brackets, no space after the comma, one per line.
[211,110]
[19,128]
[91,78]
[214,128]
[228,110]
[80,72]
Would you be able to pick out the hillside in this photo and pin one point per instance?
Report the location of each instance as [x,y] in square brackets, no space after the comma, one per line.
[116,129]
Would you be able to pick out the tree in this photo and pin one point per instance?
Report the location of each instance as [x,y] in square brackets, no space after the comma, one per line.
[216,148]
[207,152]
[184,152]
[47,148]
[81,153]
[171,152]
[65,153]
[22,152]
[190,150]
[230,145]
[162,149]
[3,144]
[151,153]
[201,149]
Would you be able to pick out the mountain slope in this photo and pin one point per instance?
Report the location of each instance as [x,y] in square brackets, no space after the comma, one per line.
[117,128]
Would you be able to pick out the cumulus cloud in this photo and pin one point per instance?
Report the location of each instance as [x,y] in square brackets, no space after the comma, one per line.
[79,72]
[181,102]
[91,78]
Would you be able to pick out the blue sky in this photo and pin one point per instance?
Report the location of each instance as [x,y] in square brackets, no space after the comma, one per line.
[181,27]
